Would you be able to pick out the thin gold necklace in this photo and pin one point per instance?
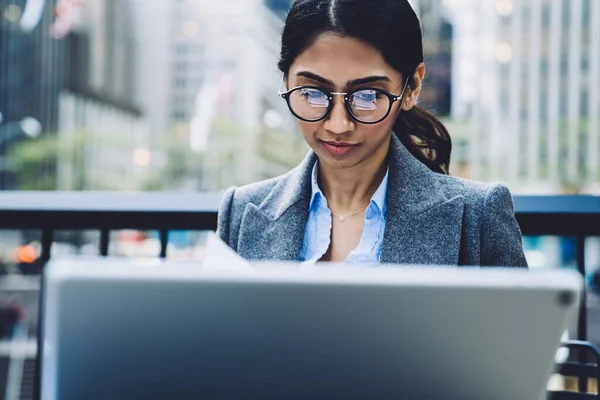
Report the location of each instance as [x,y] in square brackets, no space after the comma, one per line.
[343,217]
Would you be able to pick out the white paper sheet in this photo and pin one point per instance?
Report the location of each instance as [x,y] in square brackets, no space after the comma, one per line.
[220,257]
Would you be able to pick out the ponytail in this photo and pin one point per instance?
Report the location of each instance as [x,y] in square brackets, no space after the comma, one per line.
[425,137]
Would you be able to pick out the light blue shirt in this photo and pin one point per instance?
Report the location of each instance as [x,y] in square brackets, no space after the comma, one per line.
[317,235]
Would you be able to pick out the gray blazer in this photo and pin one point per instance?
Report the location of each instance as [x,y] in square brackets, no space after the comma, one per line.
[431,218]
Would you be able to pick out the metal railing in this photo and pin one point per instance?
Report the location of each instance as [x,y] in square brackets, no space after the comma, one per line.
[105,212]
[574,216]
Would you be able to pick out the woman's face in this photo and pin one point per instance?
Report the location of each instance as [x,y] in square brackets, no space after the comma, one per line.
[343,64]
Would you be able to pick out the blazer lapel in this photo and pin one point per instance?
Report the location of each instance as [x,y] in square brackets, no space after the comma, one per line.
[274,229]
[423,226]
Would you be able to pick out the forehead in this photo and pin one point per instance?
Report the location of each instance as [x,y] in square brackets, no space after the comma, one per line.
[342,59]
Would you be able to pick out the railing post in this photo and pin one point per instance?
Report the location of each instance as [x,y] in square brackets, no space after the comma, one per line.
[47,239]
[582,317]
[104,240]
[164,240]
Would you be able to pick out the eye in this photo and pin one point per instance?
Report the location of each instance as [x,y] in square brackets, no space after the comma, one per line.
[369,94]
[366,99]
[314,97]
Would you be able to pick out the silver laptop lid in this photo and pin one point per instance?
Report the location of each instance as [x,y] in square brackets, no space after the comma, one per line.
[121,330]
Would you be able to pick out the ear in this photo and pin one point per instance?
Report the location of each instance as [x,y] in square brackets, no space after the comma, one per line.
[414,88]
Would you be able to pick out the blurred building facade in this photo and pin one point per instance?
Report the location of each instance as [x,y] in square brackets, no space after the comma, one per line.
[32,73]
[436,94]
[240,124]
[103,133]
[80,90]
[528,78]
[516,82]
[136,69]
[187,48]
[200,70]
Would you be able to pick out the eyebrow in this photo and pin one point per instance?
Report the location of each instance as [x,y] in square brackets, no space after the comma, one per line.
[354,82]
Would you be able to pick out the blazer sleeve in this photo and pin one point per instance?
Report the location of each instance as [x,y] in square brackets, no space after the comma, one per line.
[501,242]
[224,217]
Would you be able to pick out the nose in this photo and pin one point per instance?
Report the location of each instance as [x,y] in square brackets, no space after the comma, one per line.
[338,121]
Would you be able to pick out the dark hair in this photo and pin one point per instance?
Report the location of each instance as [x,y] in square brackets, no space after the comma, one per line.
[392,27]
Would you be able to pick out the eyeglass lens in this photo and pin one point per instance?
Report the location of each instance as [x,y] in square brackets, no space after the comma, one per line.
[368,105]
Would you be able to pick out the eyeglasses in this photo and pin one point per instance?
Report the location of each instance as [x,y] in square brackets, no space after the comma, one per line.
[367,105]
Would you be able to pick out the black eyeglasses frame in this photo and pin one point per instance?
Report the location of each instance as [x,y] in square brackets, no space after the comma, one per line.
[392,98]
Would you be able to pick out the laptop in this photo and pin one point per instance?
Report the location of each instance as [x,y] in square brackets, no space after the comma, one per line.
[124,329]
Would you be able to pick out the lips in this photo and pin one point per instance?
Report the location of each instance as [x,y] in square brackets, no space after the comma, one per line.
[338,149]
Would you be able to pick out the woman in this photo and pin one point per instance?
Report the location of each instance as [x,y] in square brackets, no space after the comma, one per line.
[374,188]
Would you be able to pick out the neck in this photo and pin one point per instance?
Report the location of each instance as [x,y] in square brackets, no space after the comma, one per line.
[348,190]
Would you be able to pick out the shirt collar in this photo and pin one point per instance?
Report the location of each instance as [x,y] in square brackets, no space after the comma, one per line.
[378,197]
[314,184]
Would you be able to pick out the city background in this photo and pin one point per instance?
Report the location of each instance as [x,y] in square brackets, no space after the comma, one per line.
[181,95]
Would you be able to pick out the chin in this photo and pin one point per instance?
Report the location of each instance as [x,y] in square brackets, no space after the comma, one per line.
[340,163]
